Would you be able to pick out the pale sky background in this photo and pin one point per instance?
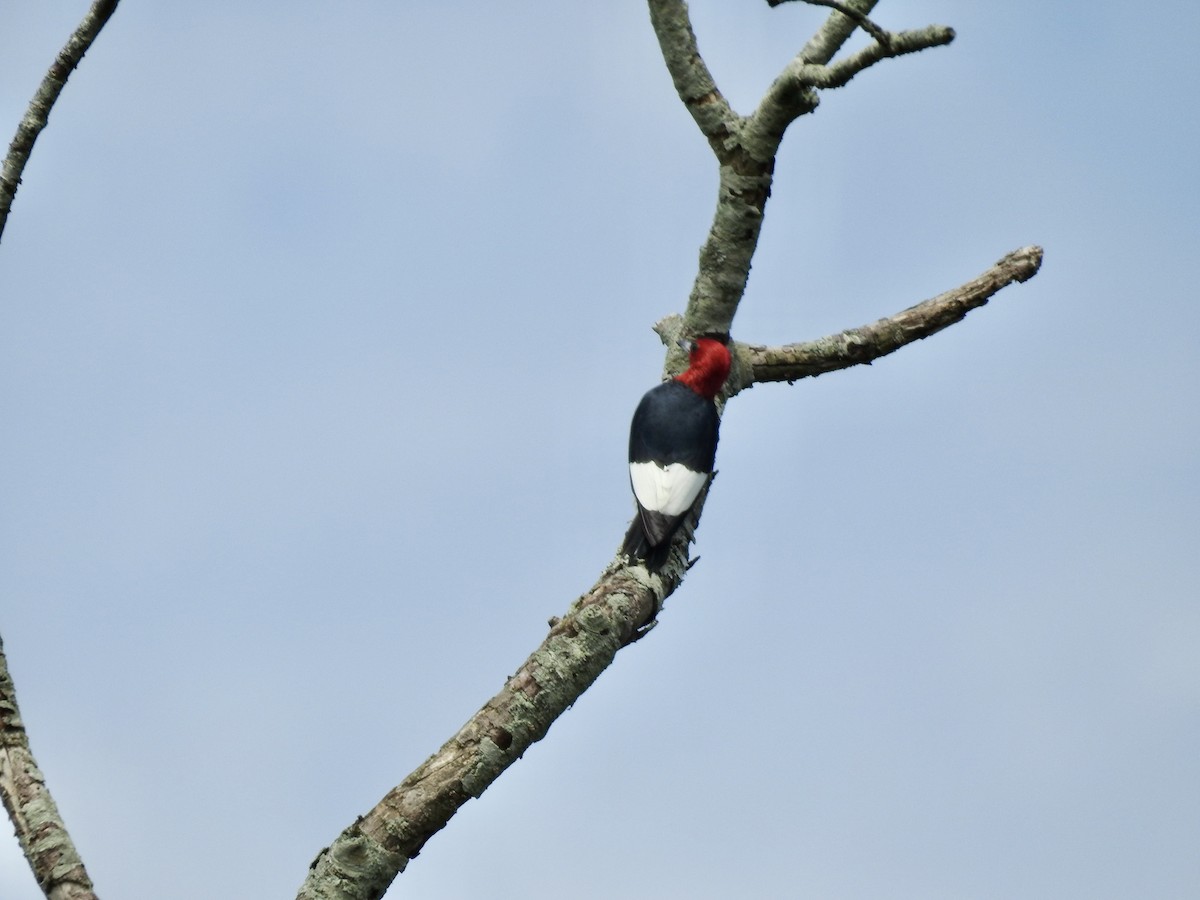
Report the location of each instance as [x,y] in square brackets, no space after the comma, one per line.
[320,329]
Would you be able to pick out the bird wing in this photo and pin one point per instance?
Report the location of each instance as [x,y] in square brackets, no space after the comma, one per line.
[668,490]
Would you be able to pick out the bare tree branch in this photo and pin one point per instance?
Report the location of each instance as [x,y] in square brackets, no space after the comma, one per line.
[693,81]
[792,94]
[745,147]
[859,346]
[618,610]
[368,855]
[623,604]
[43,836]
[745,174]
[38,113]
[838,73]
[830,37]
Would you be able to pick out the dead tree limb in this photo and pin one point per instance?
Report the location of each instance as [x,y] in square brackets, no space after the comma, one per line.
[623,604]
[38,114]
[44,840]
[43,836]
[861,346]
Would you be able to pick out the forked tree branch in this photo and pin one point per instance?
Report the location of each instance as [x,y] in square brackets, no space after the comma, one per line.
[792,94]
[40,830]
[839,73]
[38,113]
[623,604]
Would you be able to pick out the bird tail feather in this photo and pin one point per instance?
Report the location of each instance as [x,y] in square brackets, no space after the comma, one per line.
[638,547]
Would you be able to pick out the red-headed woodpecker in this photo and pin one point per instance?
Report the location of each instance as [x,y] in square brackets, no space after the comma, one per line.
[672,446]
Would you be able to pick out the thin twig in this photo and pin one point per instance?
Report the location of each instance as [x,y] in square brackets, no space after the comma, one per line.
[860,19]
[38,113]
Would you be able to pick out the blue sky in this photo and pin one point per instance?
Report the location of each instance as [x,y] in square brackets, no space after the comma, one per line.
[320,331]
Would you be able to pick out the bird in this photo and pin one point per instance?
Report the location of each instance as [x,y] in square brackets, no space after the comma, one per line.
[672,447]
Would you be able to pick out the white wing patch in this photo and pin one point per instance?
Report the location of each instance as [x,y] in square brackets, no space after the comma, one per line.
[669,490]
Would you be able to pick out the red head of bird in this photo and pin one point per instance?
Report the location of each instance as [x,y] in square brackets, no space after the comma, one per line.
[708,367]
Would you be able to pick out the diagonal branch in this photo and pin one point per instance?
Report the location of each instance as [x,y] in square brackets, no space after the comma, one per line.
[693,81]
[43,836]
[746,147]
[828,40]
[38,113]
[858,346]
[369,854]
